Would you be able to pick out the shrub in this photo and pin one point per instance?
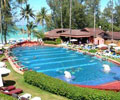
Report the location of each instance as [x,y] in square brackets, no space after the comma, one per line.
[62,88]
[50,42]
[93,51]
[6,97]
[58,40]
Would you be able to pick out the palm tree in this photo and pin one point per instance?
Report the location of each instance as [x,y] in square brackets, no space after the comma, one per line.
[112,21]
[70,19]
[61,15]
[22,2]
[30,29]
[3,5]
[39,34]
[42,17]
[26,13]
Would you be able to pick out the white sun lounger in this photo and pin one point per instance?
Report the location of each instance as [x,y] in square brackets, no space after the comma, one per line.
[26,95]
[36,98]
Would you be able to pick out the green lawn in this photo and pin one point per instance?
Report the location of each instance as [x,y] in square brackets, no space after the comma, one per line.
[18,80]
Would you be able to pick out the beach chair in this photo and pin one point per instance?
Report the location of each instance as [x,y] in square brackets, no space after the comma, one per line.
[36,98]
[23,98]
[19,97]
[9,88]
[26,96]
[16,91]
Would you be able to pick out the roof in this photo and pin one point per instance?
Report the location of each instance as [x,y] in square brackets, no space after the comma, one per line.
[56,33]
[91,31]
[77,33]
[116,35]
[53,33]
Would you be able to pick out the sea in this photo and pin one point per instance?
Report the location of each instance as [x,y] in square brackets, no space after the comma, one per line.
[18,35]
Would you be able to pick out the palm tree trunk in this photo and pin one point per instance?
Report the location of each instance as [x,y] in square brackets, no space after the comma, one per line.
[1,21]
[43,27]
[70,19]
[61,17]
[5,34]
[28,30]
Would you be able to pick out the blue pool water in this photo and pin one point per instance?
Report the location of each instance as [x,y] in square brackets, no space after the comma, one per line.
[53,61]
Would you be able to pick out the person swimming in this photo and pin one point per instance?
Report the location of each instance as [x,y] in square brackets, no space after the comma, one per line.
[34,57]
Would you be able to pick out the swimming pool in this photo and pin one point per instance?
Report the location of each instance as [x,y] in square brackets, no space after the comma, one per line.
[53,61]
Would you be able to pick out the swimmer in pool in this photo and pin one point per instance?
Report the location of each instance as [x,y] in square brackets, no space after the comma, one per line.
[34,57]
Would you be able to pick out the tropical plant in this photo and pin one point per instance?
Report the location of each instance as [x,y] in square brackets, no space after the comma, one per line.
[22,1]
[30,29]
[39,34]
[78,17]
[4,4]
[7,24]
[42,17]
[27,12]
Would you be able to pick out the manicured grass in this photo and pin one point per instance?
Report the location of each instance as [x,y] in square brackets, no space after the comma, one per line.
[18,80]
[6,97]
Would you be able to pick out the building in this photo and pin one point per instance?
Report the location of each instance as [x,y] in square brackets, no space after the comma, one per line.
[84,35]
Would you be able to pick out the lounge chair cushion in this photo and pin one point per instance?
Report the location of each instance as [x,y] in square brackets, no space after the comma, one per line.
[16,91]
[23,98]
[9,88]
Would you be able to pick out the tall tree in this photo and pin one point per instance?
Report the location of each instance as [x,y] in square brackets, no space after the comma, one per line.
[42,17]
[22,1]
[27,13]
[4,4]
[78,13]
[117,14]
[92,7]
[7,24]
[30,28]
[107,16]
[107,13]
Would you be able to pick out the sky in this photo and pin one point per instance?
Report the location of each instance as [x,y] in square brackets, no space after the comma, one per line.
[38,4]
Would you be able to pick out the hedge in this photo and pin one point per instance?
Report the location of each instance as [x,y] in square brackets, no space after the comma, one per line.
[93,51]
[6,97]
[62,88]
[57,41]
[50,42]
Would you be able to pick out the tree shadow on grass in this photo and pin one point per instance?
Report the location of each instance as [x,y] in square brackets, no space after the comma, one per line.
[9,82]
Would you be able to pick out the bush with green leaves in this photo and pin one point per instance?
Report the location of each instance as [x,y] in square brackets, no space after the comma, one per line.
[58,40]
[62,88]
[93,51]
[50,42]
[6,97]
